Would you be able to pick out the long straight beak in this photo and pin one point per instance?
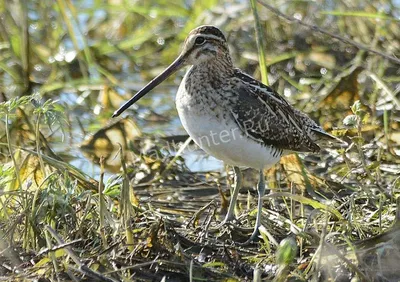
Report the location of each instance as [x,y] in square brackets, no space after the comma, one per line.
[176,65]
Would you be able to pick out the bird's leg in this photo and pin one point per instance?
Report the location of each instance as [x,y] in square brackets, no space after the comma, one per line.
[261,191]
[238,184]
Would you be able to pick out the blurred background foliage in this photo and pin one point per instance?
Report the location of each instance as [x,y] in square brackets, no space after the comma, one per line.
[65,66]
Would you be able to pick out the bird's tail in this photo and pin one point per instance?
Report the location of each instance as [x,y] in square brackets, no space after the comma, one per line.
[324,139]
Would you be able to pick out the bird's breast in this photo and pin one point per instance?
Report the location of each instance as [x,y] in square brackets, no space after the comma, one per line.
[208,120]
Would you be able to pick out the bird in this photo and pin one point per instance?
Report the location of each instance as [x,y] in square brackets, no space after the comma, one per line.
[234,117]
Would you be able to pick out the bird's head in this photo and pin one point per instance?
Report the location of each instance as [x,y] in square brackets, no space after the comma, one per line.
[204,44]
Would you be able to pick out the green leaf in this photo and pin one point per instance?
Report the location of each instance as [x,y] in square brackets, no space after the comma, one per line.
[287,251]
[356,107]
[214,264]
[350,121]
[307,201]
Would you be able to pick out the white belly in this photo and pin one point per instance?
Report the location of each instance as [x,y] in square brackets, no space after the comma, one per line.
[223,140]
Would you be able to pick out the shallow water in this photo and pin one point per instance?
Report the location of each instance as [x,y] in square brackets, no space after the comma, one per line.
[159,103]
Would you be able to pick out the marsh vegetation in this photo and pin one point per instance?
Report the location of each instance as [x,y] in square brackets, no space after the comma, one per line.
[87,198]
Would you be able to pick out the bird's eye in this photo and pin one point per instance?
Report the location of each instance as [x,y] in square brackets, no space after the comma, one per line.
[200,40]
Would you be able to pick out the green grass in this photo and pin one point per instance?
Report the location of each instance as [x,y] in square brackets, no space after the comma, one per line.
[66,66]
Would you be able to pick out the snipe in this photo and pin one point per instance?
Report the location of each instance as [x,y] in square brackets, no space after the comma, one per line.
[232,116]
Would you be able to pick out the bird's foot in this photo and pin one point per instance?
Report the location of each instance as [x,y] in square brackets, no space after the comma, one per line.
[252,239]
[227,222]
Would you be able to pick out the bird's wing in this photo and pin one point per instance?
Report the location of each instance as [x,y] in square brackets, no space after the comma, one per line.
[266,117]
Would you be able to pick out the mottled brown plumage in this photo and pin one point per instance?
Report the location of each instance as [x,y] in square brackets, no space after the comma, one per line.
[269,119]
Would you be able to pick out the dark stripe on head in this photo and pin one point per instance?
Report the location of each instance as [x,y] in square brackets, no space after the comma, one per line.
[208,30]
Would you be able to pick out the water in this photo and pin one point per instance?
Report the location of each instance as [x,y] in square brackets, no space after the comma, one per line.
[160,101]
